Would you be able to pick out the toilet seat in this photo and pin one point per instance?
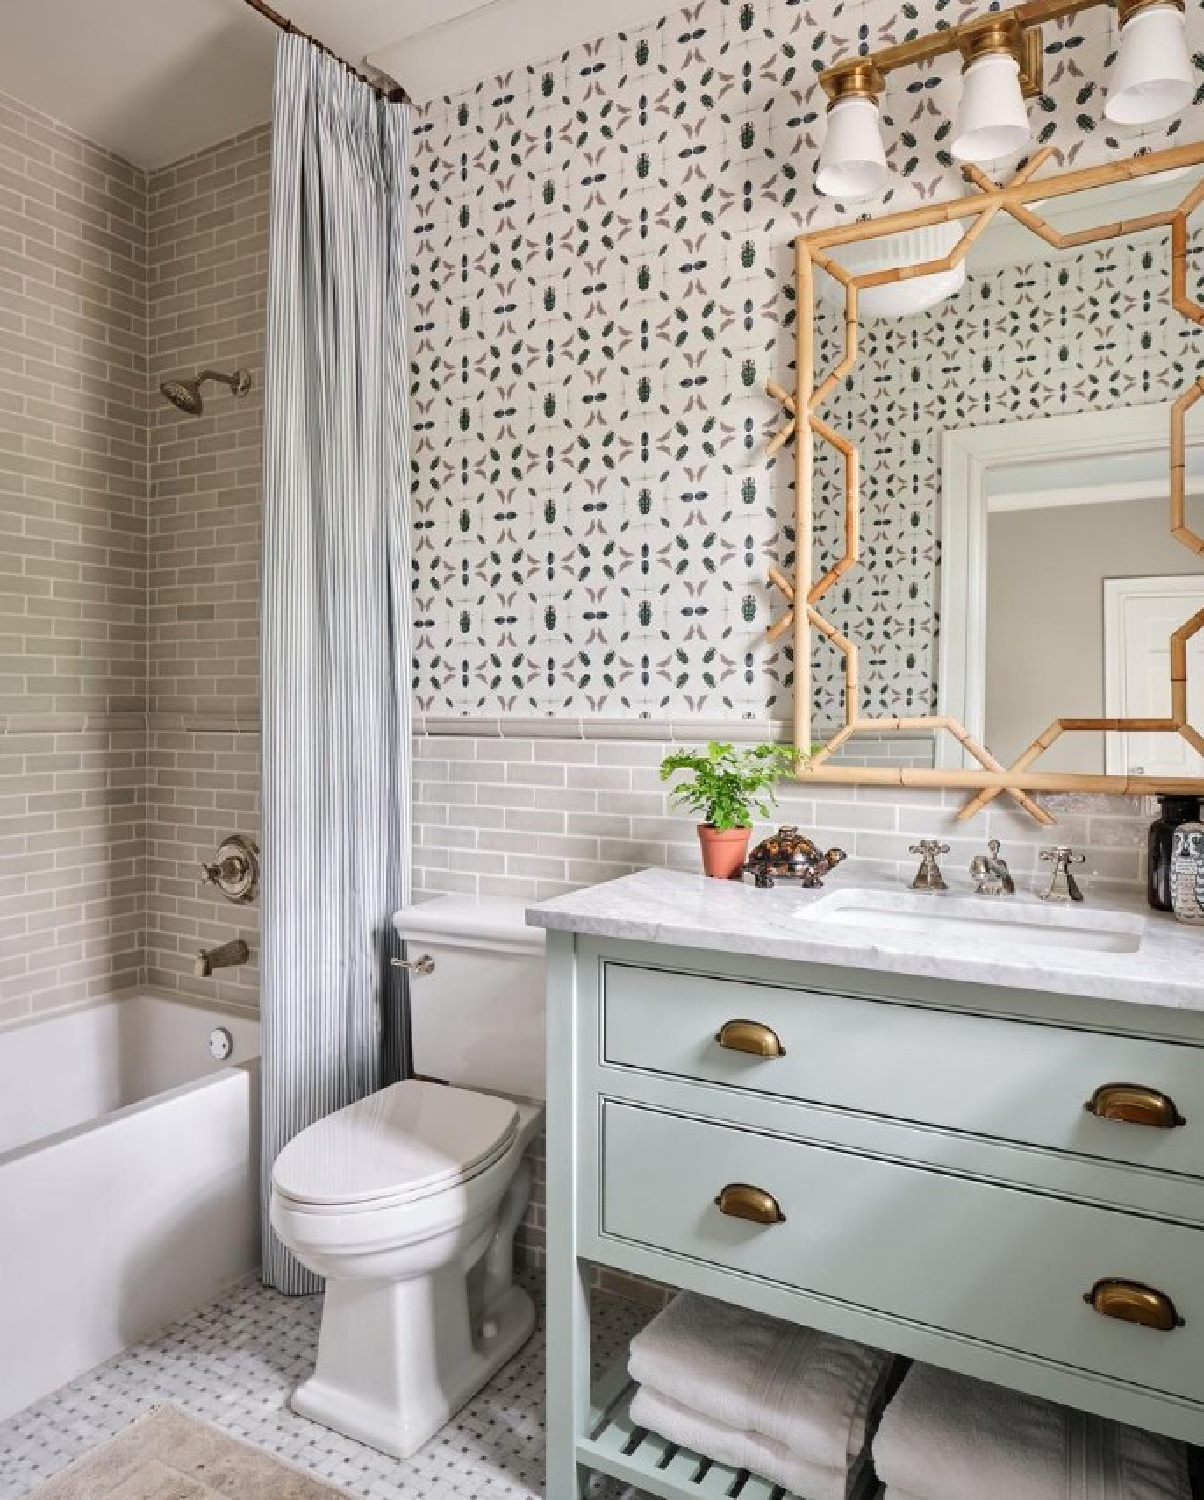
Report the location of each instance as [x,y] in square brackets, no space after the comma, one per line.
[410,1141]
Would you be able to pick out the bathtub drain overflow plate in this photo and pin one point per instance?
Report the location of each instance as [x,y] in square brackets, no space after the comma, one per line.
[221,1044]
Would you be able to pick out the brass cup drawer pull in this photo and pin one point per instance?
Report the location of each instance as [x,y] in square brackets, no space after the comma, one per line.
[1134,1104]
[1131,1302]
[750,1037]
[740,1201]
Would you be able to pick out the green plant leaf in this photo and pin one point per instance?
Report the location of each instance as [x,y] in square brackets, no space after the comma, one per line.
[726,785]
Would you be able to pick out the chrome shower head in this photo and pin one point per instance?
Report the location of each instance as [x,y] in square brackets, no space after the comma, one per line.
[186,394]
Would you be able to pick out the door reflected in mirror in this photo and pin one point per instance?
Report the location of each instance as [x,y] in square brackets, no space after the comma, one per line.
[1085,586]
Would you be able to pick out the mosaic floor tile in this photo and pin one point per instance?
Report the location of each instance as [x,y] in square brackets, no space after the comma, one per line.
[233,1364]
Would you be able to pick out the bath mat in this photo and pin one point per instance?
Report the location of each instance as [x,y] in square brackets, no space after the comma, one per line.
[168,1455]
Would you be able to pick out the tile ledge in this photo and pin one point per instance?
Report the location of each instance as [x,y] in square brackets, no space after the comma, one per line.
[676,731]
[515,727]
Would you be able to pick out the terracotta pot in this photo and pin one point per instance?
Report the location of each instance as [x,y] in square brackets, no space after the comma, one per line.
[723,850]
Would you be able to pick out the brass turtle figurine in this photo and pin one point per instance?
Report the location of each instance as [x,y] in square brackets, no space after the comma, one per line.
[790,855]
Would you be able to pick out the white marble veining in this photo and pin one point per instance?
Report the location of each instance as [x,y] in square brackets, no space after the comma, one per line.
[1161,962]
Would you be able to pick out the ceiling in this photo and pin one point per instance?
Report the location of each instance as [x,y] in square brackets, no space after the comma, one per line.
[155,80]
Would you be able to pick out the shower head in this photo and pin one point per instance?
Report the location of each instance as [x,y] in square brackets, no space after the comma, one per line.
[186,394]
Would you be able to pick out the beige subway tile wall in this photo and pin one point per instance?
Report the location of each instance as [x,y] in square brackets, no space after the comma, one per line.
[532,814]
[129,561]
[208,298]
[73,372]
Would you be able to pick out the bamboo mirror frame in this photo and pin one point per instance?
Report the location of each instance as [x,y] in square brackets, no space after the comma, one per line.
[804,594]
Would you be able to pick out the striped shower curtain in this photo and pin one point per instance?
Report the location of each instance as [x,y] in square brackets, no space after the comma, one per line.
[335,634]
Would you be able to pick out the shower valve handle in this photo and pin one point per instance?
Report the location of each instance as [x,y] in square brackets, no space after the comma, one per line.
[235,871]
[218,872]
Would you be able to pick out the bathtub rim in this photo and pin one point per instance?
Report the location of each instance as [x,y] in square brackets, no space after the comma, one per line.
[126,1111]
[57,1138]
[137,992]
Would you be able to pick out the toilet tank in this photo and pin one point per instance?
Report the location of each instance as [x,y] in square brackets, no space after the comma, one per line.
[477,1019]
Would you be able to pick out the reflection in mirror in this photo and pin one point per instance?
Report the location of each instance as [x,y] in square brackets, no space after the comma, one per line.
[1084,588]
[1014,441]
[1194,506]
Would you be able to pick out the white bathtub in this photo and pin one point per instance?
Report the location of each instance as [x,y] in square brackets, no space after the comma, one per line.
[128,1180]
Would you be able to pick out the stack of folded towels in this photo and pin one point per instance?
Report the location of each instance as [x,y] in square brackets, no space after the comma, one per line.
[948,1437]
[751,1392]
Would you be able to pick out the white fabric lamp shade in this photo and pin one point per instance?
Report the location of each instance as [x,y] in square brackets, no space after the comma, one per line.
[992,121]
[852,164]
[1152,75]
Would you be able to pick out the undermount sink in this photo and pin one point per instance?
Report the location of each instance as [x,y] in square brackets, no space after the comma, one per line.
[938,918]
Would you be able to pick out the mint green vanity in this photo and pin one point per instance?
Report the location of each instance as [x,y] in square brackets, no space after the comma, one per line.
[984,1154]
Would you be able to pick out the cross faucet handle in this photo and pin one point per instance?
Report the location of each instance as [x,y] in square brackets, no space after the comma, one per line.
[1064,855]
[1062,886]
[929,877]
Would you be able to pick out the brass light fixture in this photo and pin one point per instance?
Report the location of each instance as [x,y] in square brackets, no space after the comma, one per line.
[1002,69]
[1153,75]
[853,161]
[1002,56]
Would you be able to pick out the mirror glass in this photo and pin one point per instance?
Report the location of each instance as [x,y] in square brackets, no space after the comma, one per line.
[1013,421]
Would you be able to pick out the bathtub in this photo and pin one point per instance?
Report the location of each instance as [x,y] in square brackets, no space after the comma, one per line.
[128,1180]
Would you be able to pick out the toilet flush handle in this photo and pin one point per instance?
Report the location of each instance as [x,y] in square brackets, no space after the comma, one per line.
[423,965]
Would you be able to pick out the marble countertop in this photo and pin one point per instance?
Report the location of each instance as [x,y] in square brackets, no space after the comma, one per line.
[1155,960]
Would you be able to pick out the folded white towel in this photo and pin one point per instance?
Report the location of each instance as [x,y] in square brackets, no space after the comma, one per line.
[738,1450]
[946,1436]
[808,1392]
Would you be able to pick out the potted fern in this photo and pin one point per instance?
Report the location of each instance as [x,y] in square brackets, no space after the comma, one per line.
[725,788]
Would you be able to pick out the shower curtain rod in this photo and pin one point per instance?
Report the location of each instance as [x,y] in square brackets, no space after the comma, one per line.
[395,95]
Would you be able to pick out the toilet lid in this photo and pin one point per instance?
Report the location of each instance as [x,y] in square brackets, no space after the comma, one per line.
[409,1139]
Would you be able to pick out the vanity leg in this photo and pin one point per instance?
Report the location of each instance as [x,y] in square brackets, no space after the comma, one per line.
[568,1379]
[567,1318]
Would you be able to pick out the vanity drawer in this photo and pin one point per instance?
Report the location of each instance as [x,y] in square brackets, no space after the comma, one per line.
[978,1259]
[1009,1080]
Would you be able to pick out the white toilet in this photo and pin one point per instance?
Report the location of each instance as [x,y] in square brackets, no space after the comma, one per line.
[408,1201]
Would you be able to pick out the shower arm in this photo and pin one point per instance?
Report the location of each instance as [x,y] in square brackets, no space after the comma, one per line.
[239,382]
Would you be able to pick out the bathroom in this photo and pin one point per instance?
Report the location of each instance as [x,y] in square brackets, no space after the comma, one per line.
[595,329]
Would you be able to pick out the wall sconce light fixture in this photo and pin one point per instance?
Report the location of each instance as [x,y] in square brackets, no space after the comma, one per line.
[852,163]
[1002,56]
[1152,77]
[1002,69]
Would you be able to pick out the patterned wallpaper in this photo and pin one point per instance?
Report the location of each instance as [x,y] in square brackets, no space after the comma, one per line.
[601,285]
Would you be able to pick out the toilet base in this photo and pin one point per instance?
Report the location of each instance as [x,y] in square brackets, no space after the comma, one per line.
[396,1362]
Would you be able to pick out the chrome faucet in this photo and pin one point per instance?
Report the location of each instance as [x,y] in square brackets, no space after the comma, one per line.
[990,873]
[1062,885]
[928,876]
[228,956]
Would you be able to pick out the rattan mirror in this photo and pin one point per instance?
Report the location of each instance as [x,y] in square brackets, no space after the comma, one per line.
[891,412]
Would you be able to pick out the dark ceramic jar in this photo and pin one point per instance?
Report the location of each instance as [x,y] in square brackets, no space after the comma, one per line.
[1174,810]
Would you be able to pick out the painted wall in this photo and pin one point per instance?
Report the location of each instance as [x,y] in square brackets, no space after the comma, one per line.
[1045,615]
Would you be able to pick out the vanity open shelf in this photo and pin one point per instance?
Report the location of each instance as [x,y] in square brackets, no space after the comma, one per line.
[616,1446]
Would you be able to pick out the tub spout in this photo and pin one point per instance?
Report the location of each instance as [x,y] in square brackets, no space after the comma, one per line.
[228,956]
